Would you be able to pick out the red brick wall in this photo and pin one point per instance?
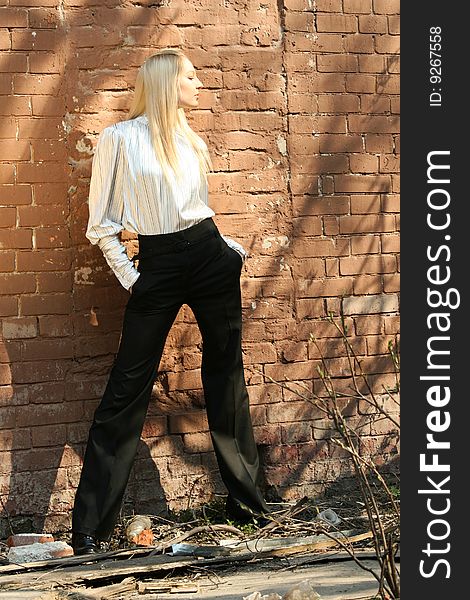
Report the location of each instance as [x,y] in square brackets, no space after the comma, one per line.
[300,111]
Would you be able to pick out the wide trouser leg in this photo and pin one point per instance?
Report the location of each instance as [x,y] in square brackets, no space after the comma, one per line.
[118,421]
[215,299]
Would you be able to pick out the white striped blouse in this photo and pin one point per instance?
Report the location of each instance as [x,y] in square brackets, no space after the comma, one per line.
[128,191]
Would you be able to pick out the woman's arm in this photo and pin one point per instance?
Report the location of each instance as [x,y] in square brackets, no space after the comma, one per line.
[105,206]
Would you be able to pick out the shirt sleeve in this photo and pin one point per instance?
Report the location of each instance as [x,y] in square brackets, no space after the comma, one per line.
[105,205]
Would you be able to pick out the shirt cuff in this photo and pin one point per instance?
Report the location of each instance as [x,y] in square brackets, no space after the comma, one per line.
[235,246]
[116,256]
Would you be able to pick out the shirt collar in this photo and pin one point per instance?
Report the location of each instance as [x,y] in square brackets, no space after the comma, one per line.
[144,119]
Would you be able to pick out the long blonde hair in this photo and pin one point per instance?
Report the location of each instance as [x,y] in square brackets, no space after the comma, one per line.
[156,94]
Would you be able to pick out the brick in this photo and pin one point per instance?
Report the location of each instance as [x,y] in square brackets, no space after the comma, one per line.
[359,43]
[373,24]
[371,103]
[393,64]
[332,268]
[25,539]
[19,328]
[43,260]
[15,238]
[13,62]
[197,442]
[391,283]
[340,143]
[373,124]
[42,40]
[36,216]
[333,63]
[299,21]
[17,283]
[390,243]
[15,195]
[309,308]
[41,172]
[293,351]
[363,163]
[8,217]
[387,44]
[8,306]
[55,282]
[326,287]
[367,223]
[394,25]
[48,435]
[378,303]
[310,225]
[14,105]
[365,244]
[365,204]
[7,260]
[367,264]
[338,103]
[55,326]
[357,6]
[36,371]
[362,183]
[306,42]
[336,23]
[379,143]
[321,164]
[7,175]
[321,205]
[193,422]
[389,163]
[43,18]
[290,371]
[289,411]
[369,325]
[53,349]
[386,7]
[327,5]
[372,64]
[313,82]
[360,83]
[369,284]
[388,84]
[5,41]
[13,17]
[322,247]
[392,325]
[52,237]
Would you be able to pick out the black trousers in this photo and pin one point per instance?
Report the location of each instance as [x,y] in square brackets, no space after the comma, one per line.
[194,266]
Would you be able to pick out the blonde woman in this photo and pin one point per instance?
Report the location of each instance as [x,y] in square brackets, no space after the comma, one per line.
[149,176]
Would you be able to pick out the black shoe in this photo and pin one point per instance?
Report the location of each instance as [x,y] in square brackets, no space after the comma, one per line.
[235,512]
[84,544]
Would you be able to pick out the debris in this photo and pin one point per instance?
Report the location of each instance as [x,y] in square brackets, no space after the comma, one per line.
[193,550]
[329,516]
[139,530]
[169,587]
[38,551]
[258,596]
[300,591]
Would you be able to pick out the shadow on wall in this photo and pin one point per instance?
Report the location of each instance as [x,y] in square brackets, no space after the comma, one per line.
[49,410]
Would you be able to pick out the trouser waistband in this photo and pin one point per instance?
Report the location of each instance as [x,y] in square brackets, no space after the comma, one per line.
[177,241]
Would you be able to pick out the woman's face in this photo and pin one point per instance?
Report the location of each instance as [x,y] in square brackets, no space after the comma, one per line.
[189,85]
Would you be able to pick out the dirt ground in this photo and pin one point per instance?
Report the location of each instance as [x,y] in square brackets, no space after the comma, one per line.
[333,580]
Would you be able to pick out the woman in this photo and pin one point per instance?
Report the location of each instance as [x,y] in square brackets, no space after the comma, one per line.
[149,176]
